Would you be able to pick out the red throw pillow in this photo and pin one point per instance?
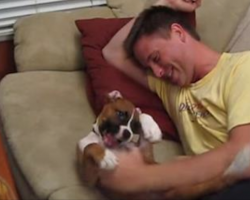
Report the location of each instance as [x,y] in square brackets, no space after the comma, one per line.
[104,78]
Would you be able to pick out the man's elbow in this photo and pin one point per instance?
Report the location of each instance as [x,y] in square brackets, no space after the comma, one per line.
[108,54]
[112,56]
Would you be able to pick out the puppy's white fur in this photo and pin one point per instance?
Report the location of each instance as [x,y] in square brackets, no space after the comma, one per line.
[91,138]
[115,94]
[150,128]
[110,161]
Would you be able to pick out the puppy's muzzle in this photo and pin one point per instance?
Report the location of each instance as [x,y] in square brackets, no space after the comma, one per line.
[125,133]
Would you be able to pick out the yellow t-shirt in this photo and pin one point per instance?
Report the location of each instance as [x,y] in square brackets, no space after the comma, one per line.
[207,110]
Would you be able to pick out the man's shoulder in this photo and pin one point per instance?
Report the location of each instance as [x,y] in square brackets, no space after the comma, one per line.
[238,56]
[235,62]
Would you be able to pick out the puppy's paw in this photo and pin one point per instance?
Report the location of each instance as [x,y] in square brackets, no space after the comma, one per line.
[109,162]
[150,128]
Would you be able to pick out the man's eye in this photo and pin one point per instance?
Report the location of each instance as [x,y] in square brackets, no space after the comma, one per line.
[156,58]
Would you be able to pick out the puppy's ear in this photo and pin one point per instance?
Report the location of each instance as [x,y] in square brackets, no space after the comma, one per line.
[115,94]
[137,114]
[138,110]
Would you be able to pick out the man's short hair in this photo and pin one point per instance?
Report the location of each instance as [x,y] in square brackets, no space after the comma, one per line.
[156,19]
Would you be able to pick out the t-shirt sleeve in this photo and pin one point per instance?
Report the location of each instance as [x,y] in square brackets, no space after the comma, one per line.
[155,84]
[238,98]
[162,89]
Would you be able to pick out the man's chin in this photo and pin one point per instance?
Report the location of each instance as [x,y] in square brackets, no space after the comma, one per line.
[177,83]
[184,84]
[181,84]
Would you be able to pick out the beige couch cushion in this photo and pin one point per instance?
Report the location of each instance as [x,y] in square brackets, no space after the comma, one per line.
[45,114]
[50,41]
[217,21]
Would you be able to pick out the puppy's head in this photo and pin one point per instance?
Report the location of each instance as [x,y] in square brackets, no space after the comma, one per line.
[118,121]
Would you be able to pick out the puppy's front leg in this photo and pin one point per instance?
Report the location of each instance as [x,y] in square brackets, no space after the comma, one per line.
[90,146]
[96,157]
[150,128]
[86,164]
[109,161]
[92,156]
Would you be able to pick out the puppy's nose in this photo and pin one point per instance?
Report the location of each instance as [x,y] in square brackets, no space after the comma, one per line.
[126,134]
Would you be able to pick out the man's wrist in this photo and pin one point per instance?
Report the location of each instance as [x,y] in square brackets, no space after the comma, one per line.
[149,180]
[162,3]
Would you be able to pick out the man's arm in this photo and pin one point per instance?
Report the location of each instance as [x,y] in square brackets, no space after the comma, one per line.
[133,175]
[115,54]
[202,167]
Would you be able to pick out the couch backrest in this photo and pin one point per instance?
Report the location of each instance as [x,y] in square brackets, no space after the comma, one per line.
[50,41]
[240,41]
[127,8]
[217,21]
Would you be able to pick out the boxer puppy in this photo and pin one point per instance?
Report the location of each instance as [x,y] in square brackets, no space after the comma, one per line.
[115,127]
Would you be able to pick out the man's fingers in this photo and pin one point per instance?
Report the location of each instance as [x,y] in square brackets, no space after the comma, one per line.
[186,5]
[182,5]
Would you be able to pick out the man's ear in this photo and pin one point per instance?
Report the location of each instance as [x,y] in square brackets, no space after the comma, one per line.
[179,31]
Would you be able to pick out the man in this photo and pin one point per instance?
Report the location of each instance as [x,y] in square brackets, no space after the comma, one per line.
[204,92]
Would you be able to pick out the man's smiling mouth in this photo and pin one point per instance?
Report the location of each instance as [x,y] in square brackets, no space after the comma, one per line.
[170,75]
[170,72]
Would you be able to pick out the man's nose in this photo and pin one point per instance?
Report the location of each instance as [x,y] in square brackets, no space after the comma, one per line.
[157,70]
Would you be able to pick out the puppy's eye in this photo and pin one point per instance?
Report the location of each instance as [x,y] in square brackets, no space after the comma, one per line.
[122,115]
[135,126]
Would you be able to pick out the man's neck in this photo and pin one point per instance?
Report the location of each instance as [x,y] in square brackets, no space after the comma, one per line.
[206,61]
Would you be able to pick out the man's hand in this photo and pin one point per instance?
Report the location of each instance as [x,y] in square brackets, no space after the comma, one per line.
[182,5]
[127,176]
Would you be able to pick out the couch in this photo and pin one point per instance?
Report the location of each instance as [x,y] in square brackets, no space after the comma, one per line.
[46,107]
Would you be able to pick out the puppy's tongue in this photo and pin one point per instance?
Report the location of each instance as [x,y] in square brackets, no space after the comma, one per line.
[109,140]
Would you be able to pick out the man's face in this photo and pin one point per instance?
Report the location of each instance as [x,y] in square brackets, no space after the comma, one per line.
[168,58]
